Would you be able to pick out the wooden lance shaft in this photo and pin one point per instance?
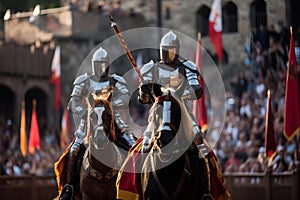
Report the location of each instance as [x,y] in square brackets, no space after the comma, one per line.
[125,48]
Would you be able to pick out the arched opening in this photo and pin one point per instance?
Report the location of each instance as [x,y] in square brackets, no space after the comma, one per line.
[230,18]
[7,103]
[202,17]
[41,108]
[258,13]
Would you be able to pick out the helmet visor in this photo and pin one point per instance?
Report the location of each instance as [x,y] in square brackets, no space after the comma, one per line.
[100,68]
[168,55]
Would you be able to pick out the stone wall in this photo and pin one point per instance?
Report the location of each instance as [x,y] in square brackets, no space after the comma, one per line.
[183,19]
[78,33]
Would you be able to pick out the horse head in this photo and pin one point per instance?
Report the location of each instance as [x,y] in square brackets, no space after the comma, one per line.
[170,120]
[102,125]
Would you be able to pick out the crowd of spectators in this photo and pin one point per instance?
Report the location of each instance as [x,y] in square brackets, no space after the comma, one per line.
[13,163]
[240,147]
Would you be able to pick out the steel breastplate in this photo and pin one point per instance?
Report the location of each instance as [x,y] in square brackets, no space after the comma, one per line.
[169,77]
[98,87]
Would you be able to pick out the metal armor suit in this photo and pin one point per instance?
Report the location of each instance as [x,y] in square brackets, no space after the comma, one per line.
[84,87]
[182,76]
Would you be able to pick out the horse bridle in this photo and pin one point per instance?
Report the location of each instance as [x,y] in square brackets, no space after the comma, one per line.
[104,177]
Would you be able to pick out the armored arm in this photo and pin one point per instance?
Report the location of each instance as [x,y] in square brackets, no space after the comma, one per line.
[145,88]
[78,93]
[194,90]
[120,99]
[121,94]
[75,104]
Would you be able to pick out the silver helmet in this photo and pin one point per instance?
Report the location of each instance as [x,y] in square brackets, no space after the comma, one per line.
[100,62]
[169,48]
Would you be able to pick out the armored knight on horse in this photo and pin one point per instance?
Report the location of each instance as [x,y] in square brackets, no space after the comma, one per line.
[170,72]
[99,83]
[167,85]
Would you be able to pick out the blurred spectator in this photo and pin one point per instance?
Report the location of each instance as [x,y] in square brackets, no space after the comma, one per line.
[297,51]
[232,164]
[262,159]
[239,84]
[241,148]
[279,164]
[262,37]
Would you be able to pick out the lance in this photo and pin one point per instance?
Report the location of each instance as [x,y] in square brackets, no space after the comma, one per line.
[125,47]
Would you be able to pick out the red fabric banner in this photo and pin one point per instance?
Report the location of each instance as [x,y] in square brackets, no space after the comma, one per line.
[199,107]
[292,96]
[55,76]
[34,139]
[215,27]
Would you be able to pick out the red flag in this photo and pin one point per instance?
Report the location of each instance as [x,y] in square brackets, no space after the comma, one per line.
[55,76]
[23,138]
[65,129]
[270,143]
[215,27]
[34,139]
[127,184]
[199,108]
[292,96]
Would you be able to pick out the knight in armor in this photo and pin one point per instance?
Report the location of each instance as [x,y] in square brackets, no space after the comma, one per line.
[170,72]
[84,87]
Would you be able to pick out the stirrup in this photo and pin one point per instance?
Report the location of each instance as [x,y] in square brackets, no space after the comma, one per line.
[202,150]
[66,191]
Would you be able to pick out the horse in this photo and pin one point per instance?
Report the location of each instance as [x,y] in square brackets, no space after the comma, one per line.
[102,158]
[172,169]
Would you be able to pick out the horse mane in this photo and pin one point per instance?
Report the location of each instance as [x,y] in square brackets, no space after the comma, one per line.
[109,127]
[186,120]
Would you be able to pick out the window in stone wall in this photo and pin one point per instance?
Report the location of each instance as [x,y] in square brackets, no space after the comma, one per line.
[202,16]
[168,13]
[230,18]
[258,13]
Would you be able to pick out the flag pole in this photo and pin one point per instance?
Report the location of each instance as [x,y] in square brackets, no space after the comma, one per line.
[220,66]
[220,63]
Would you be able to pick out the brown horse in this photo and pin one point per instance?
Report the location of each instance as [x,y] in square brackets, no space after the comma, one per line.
[103,158]
[173,170]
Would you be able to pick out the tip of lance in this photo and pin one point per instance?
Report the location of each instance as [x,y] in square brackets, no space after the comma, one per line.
[110,17]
